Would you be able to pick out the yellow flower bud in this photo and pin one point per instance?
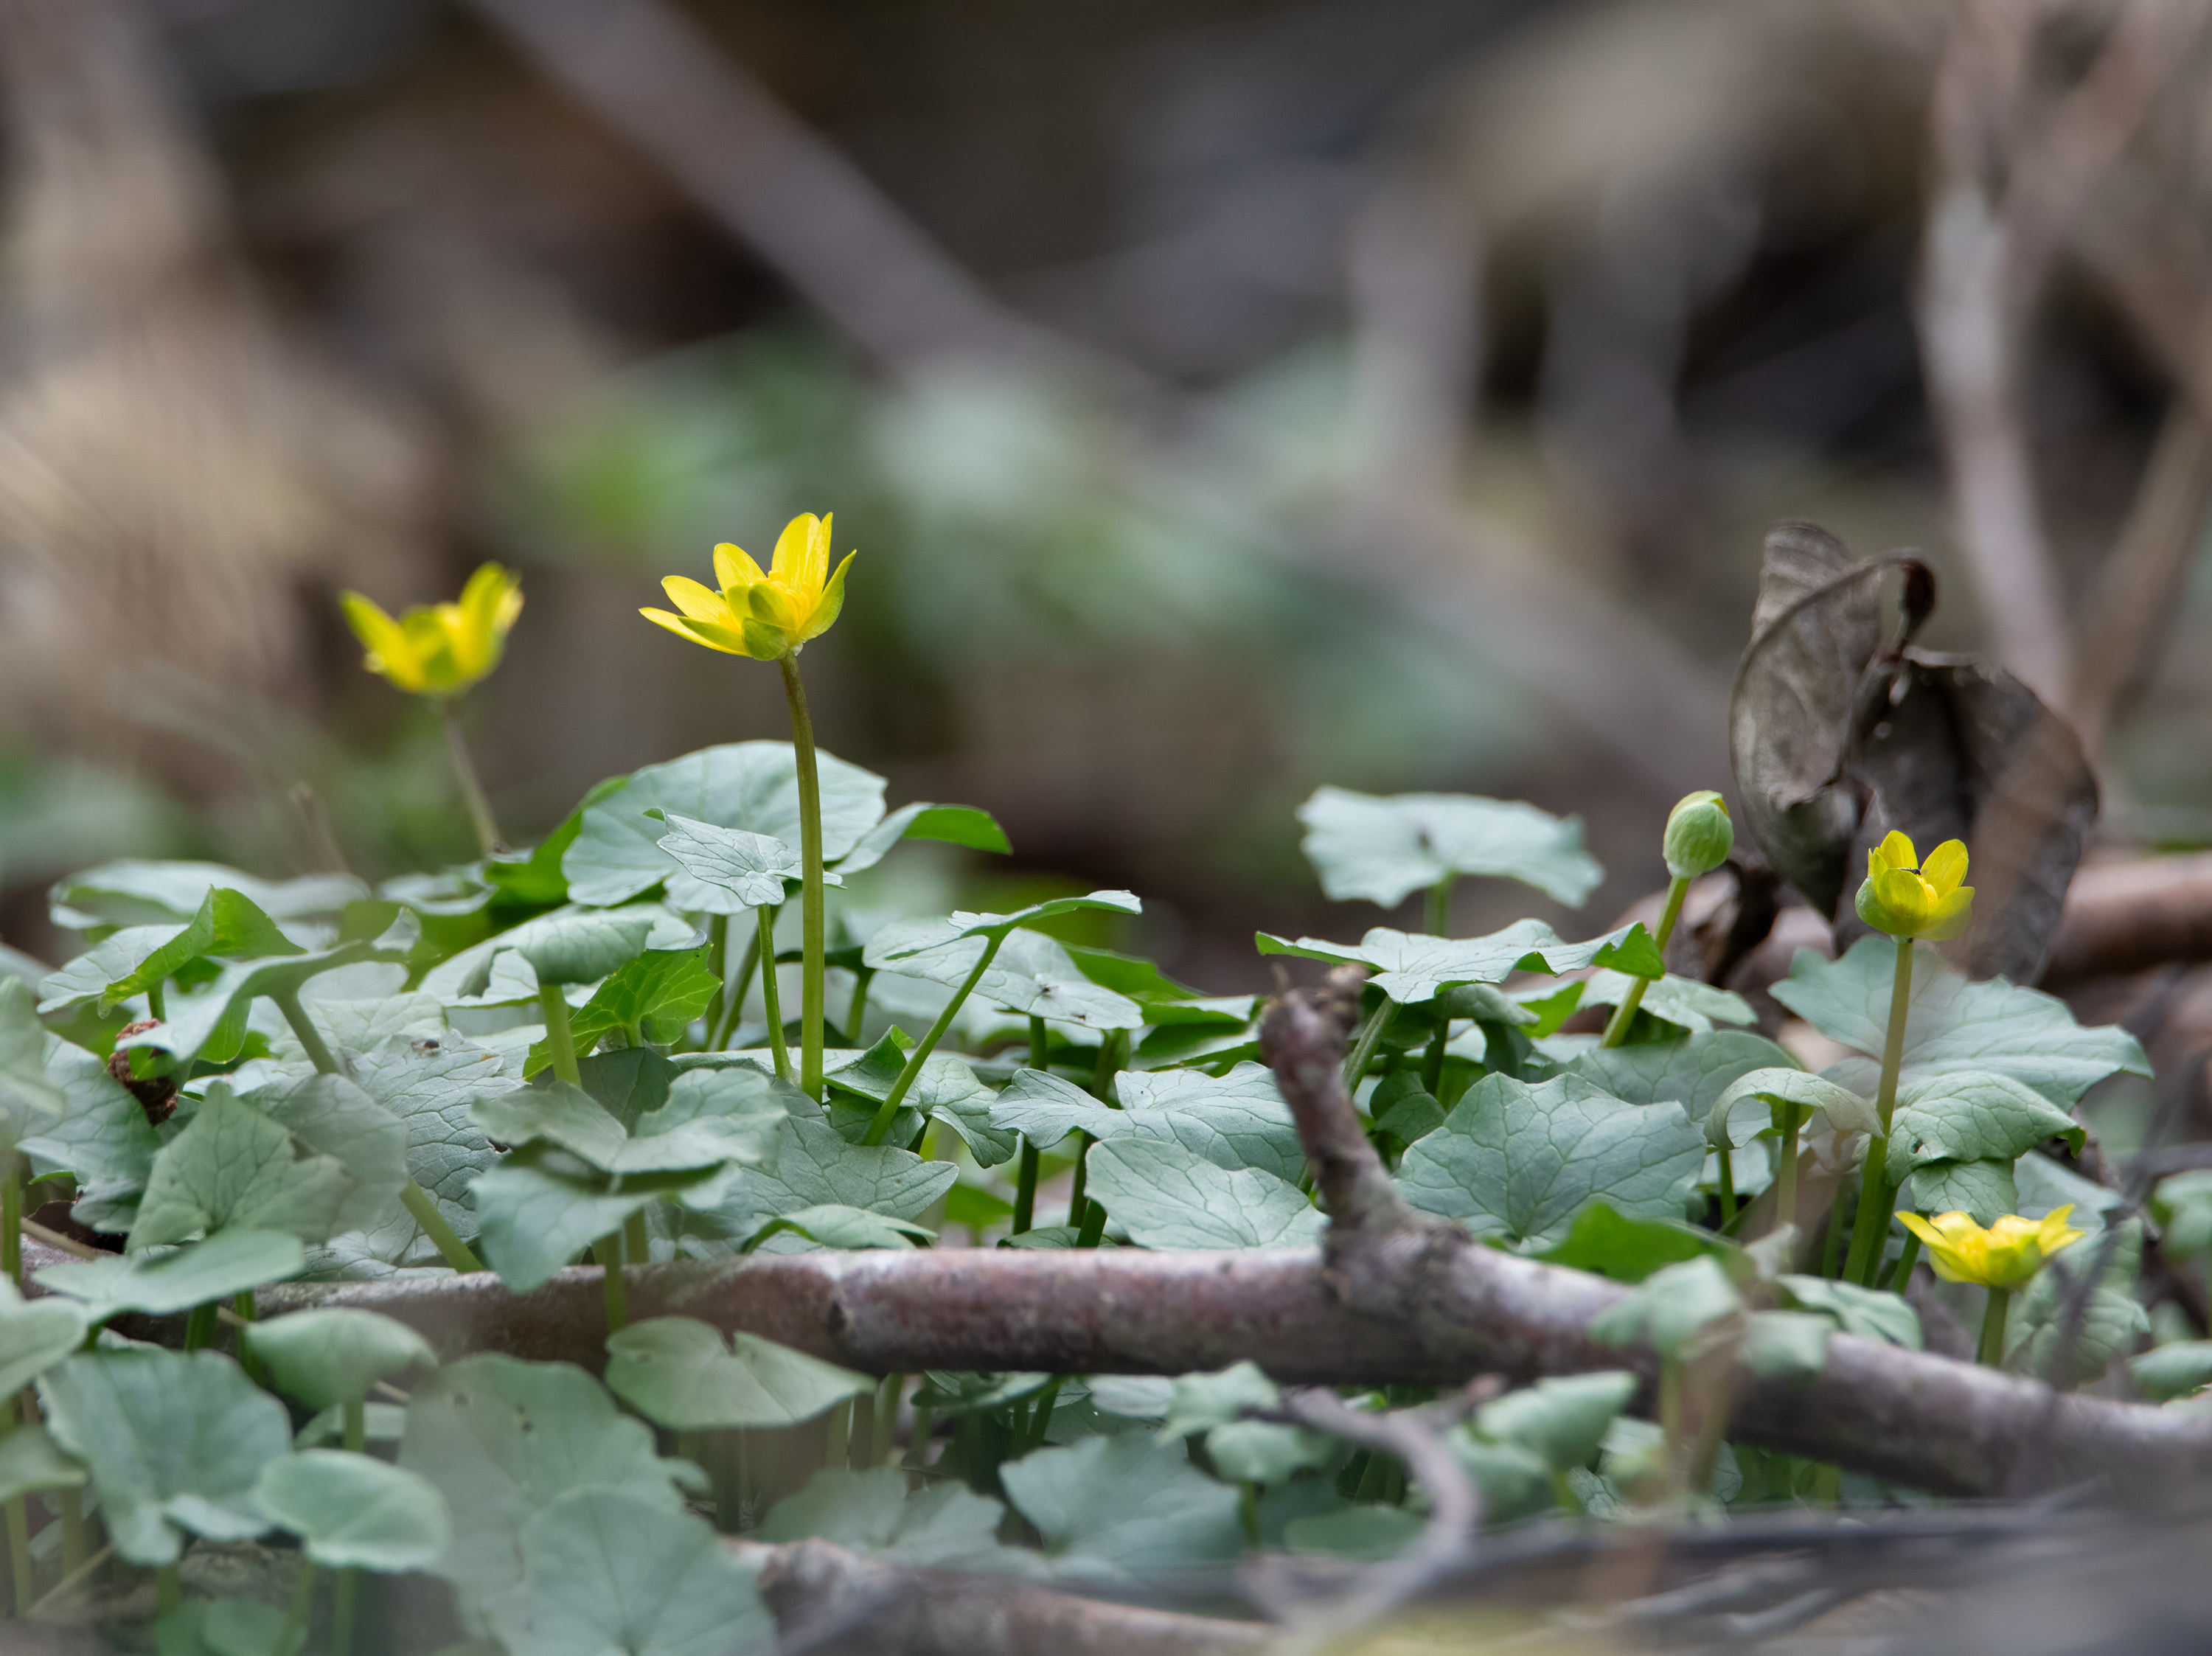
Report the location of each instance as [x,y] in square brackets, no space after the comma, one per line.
[439,650]
[766,616]
[1700,835]
[2005,1255]
[1907,898]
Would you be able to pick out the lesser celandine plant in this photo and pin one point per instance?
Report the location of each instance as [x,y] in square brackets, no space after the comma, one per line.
[1910,901]
[439,651]
[2002,1258]
[770,616]
[1697,840]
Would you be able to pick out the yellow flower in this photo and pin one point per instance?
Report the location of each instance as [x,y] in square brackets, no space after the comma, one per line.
[439,649]
[1908,898]
[2005,1255]
[766,616]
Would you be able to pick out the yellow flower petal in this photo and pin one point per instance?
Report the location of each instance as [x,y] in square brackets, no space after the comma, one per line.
[1946,866]
[683,626]
[833,600]
[1895,850]
[698,601]
[1951,915]
[794,550]
[390,655]
[733,568]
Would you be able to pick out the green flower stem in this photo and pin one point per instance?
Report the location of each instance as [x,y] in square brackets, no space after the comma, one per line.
[637,1244]
[608,1250]
[169,1589]
[242,1308]
[1832,1249]
[347,1587]
[1993,1328]
[11,1218]
[884,1425]
[1727,1153]
[1877,1197]
[1900,1274]
[889,1109]
[200,1325]
[837,1441]
[733,994]
[1616,1026]
[157,1001]
[18,1520]
[1440,906]
[465,773]
[917,1448]
[1094,1226]
[1785,1177]
[1041,1418]
[771,990]
[1025,1189]
[862,976]
[1432,1061]
[304,1030]
[294,1633]
[559,1041]
[1364,1045]
[443,1237]
[1077,1206]
[69,1507]
[810,854]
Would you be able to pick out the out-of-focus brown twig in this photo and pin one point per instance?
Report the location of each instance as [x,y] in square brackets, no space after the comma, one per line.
[829,1601]
[2128,917]
[2003,202]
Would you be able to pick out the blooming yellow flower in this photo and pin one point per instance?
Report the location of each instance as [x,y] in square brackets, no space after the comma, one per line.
[766,616]
[439,649]
[1908,898]
[2004,1256]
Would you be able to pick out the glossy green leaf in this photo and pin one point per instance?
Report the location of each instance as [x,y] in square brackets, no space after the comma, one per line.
[329,1354]
[683,1374]
[604,1572]
[102,1138]
[941,1525]
[1967,1115]
[31,1101]
[2182,1205]
[569,945]
[1954,1025]
[1519,1162]
[540,1207]
[170,894]
[1411,969]
[229,926]
[1695,1073]
[1031,975]
[1742,1111]
[2036,1332]
[34,1336]
[32,1462]
[1609,1244]
[1684,1001]
[834,1225]
[354,1512]
[1384,850]
[1167,1197]
[1673,1308]
[814,1167]
[1868,1312]
[733,871]
[428,1083]
[1984,1189]
[331,1116]
[502,1440]
[233,1166]
[226,1627]
[1561,1421]
[174,1440]
[653,997]
[166,1280]
[752,785]
[1236,1120]
[2166,1372]
[1124,1507]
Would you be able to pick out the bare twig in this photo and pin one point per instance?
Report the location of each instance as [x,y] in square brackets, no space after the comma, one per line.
[1413,1437]
[830,1602]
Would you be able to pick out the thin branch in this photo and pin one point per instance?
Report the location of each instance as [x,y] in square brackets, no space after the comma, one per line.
[1414,1438]
[831,1602]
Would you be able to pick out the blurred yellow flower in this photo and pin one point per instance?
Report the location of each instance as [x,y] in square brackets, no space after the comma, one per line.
[1908,898]
[2005,1255]
[766,616]
[439,649]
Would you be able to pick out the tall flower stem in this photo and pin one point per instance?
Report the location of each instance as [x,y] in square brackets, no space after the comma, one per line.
[1785,1178]
[1616,1026]
[810,852]
[771,990]
[465,775]
[1368,1038]
[11,1219]
[733,994]
[1439,915]
[1993,1328]
[18,1521]
[888,1111]
[1026,1186]
[1877,1197]
[560,1040]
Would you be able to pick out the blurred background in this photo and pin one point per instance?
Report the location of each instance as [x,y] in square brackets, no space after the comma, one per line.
[1224,396]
